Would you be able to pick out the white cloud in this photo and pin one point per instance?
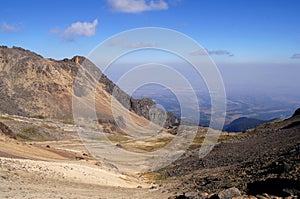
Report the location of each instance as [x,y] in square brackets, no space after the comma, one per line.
[137,6]
[199,52]
[211,52]
[295,56]
[86,29]
[8,28]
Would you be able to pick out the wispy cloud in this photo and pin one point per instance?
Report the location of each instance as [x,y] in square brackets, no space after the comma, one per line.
[137,6]
[5,27]
[124,43]
[84,29]
[220,52]
[211,52]
[295,56]
[199,52]
[54,31]
[140,44]
[116,41]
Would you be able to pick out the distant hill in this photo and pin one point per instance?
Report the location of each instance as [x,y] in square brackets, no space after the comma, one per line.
[242,124]
[296,113]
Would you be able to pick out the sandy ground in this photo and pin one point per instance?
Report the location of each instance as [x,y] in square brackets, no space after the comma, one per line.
[23,178]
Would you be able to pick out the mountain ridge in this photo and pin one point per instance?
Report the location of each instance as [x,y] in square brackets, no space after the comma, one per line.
[34,86]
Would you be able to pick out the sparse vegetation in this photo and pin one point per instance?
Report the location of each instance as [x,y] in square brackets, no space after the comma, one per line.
[39,117]
[33,134]
[118,138]
[6,118]
[151,145]
[48,126]
[27,133]
[67,122]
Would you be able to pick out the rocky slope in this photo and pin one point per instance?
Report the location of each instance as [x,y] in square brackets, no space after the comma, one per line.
[31,85]
[262,160]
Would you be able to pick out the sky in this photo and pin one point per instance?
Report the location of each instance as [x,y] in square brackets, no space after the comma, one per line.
[232,31]
[254,38]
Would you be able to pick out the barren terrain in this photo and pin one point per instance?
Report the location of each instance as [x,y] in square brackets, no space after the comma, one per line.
[55,168]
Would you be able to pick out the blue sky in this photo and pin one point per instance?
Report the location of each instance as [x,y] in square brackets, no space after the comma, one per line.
[255,43]
[253,31]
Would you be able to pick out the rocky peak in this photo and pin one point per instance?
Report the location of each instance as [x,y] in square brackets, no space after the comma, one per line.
[32,85]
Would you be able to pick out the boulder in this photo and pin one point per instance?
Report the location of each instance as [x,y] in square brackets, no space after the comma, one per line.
[229,193]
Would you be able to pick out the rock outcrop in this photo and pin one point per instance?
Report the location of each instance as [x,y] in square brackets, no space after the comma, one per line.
[7,131]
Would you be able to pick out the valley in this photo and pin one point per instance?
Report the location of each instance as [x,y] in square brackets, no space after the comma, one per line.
[53,162]
[108,144]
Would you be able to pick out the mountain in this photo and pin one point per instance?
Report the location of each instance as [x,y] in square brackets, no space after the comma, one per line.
[35,153]
[242,124]
[33,86]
